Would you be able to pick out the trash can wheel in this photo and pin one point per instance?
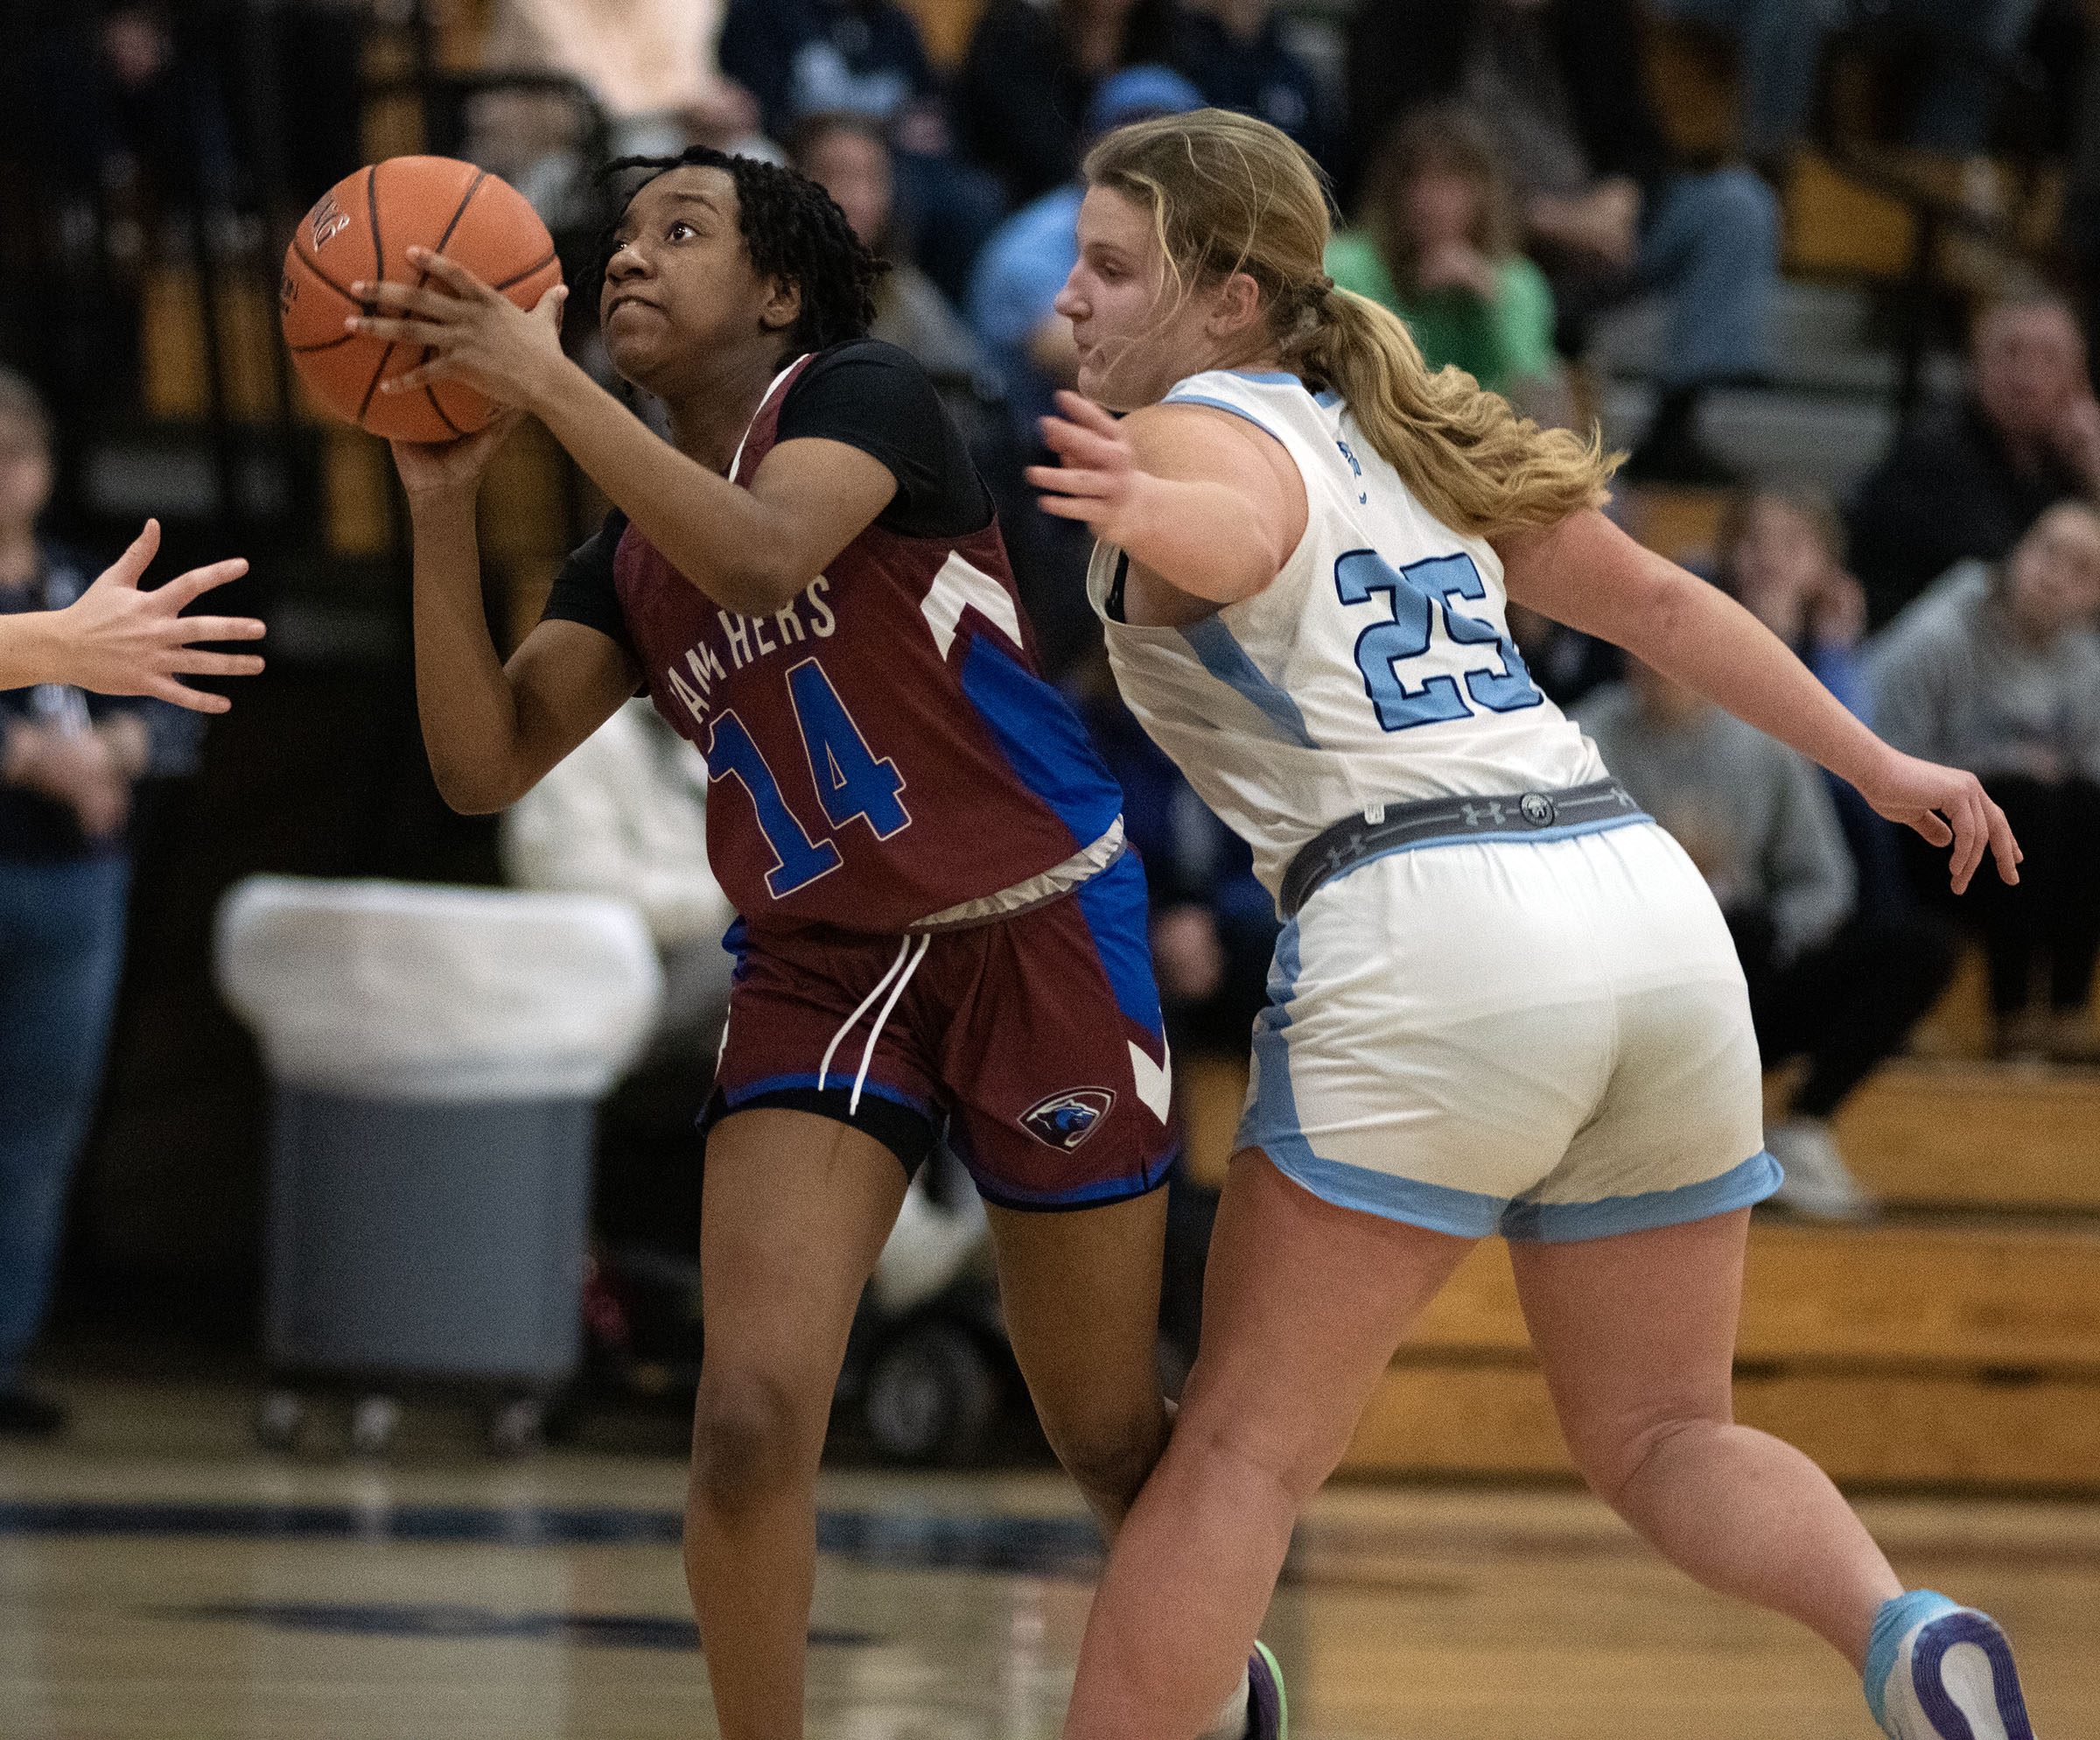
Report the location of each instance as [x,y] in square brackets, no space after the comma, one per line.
[280,1417]
[517,1427]
[373,1420]
[930,1395]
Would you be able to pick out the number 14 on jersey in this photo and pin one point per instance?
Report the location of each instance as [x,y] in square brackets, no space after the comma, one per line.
[852,785]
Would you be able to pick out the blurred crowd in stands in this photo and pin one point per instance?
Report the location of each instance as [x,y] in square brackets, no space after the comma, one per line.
[1504,179]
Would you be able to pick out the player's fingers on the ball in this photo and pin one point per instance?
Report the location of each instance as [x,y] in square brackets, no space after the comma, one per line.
[406,299]
[399,331]
[450,272]
[413,380]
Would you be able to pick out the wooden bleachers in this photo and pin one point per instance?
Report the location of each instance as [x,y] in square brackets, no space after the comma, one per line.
[1955,1341]
[1976,1137]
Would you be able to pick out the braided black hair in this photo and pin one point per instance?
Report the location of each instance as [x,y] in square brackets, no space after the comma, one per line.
[793,230]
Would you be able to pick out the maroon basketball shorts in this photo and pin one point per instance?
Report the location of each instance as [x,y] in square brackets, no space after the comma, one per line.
[1034,1043]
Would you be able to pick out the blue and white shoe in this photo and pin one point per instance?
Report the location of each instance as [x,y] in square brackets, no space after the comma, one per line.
[1268,1709]
[1935,1671]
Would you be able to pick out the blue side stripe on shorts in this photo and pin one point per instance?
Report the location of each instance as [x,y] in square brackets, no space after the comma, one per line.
[1566,1222]
[1272,1125]
[1114,906]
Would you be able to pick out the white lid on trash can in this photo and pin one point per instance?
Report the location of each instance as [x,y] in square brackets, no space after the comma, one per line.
[408,991]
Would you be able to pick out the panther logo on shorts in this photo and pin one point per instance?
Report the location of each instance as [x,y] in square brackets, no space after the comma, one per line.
[1065,1120]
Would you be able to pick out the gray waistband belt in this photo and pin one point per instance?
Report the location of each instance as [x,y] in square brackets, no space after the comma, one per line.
[1393,827]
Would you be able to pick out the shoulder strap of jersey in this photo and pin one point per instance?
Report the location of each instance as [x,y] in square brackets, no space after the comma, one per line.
[766,420]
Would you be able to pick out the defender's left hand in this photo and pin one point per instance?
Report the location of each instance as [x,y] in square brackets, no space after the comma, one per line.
[480,336]
[1099,481]
[1948,808]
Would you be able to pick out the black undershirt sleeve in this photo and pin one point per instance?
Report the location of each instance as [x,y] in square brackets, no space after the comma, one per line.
[874,396]
[584,591]
[865,394]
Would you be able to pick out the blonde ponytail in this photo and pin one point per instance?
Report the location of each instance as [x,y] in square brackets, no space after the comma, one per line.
[1229,193]
[1465,453]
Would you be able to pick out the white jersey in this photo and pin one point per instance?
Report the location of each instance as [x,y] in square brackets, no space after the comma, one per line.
[1375,668]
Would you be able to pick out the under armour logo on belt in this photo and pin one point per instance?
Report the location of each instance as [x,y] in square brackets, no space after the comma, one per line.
[1477,813]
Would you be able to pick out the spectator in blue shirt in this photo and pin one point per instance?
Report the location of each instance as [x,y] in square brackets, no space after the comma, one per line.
[1029,258]
[1023,266]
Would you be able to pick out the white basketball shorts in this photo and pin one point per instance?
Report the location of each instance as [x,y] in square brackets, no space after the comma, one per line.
[1548,1040]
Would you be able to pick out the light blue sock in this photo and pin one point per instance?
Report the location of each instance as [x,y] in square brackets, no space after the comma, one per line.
[1892,1623]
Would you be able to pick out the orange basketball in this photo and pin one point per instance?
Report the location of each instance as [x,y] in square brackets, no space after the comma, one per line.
[361,232]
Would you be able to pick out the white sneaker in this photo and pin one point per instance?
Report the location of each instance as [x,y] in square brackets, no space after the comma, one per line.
[1938,1672]
[1817,1181]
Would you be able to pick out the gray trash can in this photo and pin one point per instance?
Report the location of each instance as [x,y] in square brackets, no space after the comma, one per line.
[436,1055]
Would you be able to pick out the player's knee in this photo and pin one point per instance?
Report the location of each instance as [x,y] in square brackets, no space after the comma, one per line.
[1612,1454]
[1282,1465]
[746,1441]
[1108,1462]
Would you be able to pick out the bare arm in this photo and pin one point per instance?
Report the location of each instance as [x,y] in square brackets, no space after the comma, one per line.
[1201,500]
[749,550]
[117,640]
[1584,571]
[492,730]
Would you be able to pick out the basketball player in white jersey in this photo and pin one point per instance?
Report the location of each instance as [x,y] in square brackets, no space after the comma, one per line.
[1504,1000]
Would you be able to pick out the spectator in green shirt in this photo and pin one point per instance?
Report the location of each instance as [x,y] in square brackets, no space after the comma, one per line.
[1438,245]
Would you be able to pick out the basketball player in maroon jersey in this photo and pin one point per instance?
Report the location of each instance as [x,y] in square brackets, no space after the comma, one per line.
[941,927]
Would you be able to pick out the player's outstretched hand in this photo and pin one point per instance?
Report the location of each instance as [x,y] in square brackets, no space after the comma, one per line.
[1948,808]
[1098,481]
[480,336]
[117,640]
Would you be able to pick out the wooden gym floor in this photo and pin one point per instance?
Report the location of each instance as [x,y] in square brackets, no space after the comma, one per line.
[157,1577]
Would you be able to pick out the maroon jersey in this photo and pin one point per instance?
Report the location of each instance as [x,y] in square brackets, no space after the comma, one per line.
[881,748]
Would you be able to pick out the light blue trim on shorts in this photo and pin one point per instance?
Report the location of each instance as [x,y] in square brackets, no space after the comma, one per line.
[1569,1223]
[1466,1214]
[1271,1124]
